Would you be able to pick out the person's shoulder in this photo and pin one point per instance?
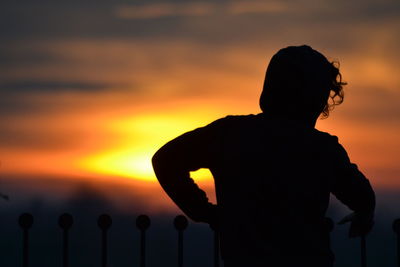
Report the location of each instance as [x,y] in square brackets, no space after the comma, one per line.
[232,120]
[331,144]
[325,136]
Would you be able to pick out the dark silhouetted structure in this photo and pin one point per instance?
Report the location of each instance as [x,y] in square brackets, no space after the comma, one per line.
[273,167]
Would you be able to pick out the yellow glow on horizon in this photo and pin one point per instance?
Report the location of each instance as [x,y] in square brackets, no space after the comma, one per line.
[120,163]
[138,138]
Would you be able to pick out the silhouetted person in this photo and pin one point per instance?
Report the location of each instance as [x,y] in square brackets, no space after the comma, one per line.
[273,171]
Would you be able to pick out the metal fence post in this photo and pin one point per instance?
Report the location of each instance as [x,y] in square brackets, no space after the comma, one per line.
[65,221]
[216,246]
[143,223]
[363,243]
[396,229]
[180,223]
[104,222]
[329,224]
[25,222]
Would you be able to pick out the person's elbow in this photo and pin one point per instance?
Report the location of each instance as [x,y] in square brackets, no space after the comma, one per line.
[162,162]
[158,161]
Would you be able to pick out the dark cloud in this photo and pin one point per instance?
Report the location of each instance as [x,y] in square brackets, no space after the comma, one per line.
[332,25]
[39,139]
[372,105]
[14,104]
[22,97]
[13,56]
[29,86]
[121,19]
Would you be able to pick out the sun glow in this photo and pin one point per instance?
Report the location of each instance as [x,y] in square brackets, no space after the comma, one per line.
[138,138]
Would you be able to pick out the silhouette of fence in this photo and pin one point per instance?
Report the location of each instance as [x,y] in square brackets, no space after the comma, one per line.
[143,222]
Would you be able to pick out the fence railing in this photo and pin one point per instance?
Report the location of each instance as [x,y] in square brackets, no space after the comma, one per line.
[143,222]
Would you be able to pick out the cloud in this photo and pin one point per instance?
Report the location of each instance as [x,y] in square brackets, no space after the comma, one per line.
[40,139]
[69,62]
[374,105]
[160,10]
[312,9]
[189,9]
[29,96]
[18,86]
[257,7]
[118,19]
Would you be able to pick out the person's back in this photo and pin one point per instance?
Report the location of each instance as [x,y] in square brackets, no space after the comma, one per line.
[273,176]
[273,179]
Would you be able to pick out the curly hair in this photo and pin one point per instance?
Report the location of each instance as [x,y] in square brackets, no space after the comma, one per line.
[336,95]
[301,82]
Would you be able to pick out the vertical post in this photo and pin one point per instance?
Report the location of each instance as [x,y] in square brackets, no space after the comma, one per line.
[143,223]
[25,222]
[65,221]
[104,222]
[180,223]
[396,229]
[363,251]
[329,225]
[216,248]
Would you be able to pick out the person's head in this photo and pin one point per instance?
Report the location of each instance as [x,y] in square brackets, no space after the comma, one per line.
[301,83]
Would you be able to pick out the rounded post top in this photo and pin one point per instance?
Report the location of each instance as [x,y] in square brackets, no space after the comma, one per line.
[396,226]
[65,221]
[143,222]
[25,221]
[104,222]
[180,223]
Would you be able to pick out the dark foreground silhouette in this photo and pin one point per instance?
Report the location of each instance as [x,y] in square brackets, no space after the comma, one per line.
[275,168]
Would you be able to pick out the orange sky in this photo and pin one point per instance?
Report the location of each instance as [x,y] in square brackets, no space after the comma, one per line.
[118,98]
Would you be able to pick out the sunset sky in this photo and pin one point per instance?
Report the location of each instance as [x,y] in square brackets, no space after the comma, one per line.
[89,90]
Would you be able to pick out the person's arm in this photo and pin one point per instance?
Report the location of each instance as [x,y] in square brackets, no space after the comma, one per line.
[172,165]
[353,189]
